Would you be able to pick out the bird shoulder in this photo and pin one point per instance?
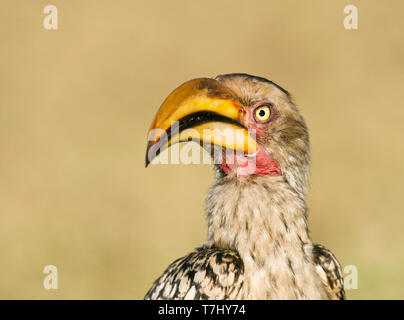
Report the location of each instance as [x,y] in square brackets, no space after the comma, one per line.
[207,273]
[330,271]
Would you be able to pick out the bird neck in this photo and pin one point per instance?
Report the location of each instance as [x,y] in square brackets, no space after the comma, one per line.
[264,219]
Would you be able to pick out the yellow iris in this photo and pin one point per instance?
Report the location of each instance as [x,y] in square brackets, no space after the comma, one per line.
[262,113]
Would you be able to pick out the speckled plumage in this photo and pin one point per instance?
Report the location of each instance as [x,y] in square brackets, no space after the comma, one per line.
[208,273]
[213,273]
[330,270]
[258,244]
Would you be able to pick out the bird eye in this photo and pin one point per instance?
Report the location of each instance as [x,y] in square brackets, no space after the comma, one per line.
[262,113]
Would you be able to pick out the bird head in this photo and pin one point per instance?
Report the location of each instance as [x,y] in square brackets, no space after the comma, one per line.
[249,118]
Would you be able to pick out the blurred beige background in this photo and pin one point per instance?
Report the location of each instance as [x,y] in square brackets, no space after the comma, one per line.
[76,103]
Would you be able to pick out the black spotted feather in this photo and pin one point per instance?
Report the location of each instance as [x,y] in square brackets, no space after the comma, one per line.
[212,273]
[330,270]
[208,273]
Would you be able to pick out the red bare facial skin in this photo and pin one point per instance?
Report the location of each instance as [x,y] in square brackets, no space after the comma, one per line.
[261,163]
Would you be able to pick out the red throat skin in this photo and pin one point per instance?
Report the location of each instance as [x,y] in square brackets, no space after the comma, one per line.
[261,164]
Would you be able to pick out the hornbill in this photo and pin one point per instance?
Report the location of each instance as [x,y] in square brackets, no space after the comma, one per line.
[258,244]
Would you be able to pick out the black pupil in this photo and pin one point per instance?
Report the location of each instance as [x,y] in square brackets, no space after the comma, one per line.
[261,113]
